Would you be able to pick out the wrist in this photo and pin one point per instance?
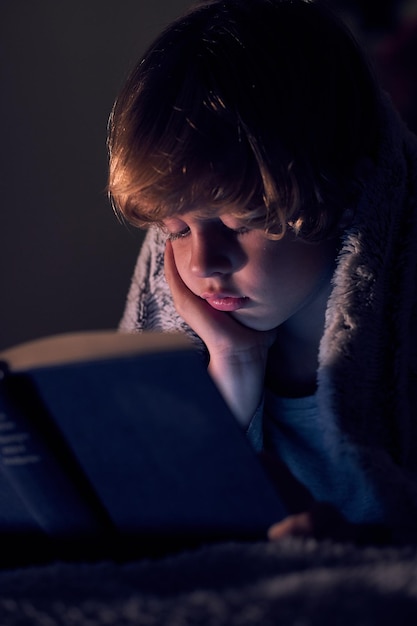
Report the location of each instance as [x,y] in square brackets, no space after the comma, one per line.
[240,380]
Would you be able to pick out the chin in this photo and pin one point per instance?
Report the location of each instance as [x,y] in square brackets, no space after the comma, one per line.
[253,323]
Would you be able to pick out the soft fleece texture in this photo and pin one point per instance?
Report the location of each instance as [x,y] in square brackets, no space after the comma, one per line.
[297,583]
[367,377]
[367,384]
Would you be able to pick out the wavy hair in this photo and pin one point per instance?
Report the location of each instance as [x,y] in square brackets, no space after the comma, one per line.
[262,107]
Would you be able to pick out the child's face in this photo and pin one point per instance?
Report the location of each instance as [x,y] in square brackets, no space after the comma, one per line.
[261,282]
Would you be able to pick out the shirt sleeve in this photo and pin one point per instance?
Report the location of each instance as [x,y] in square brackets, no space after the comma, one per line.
[254,432]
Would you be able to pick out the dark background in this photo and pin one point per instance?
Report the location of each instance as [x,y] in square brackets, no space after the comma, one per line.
[66,261]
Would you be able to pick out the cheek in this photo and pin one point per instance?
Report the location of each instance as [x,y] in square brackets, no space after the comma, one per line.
[289,271]
[267,268]
[182,262]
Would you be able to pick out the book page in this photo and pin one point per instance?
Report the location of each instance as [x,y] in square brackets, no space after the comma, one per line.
[89,346]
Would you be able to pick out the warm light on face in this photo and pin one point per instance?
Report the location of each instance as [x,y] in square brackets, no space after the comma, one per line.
[261,282]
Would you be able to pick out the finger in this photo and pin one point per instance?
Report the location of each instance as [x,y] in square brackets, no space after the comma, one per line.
[300,525]
[174,280]
[184,299]
[201,316]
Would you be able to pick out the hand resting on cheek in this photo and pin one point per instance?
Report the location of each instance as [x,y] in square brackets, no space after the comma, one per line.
[238,357]
[237,354]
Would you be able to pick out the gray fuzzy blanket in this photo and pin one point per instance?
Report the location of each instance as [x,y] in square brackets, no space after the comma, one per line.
[296,582]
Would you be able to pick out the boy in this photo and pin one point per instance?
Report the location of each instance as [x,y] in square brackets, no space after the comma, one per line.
[281,190]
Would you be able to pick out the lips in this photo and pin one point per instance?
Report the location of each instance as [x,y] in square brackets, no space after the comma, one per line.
[225,302]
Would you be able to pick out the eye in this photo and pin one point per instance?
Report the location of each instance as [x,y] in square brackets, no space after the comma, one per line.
[240,231]
[175,228]
[236,225]
[179,234]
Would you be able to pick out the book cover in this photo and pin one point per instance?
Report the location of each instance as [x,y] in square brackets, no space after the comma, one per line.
[135,443]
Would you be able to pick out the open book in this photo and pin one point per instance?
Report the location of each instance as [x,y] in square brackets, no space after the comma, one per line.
[111,439]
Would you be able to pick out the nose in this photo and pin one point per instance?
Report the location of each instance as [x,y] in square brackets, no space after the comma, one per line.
[213,253]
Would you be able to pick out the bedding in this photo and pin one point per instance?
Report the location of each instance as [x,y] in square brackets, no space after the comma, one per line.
[295,582]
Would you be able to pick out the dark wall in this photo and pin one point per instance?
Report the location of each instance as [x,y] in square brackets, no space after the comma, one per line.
[65,259]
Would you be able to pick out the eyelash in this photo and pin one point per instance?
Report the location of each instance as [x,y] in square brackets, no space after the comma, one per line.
[243,230]
[179,235]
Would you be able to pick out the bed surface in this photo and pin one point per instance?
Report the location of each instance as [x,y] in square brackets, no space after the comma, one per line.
[299,582]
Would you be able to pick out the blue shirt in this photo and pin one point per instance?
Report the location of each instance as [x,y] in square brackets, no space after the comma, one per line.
[317,453]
